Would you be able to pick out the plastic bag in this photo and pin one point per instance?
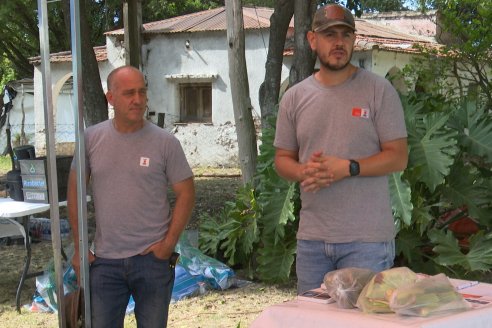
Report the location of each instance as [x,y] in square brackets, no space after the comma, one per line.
[429,296]
[46,287]
[345,285]
[216,274]
[185,285]
[375,296]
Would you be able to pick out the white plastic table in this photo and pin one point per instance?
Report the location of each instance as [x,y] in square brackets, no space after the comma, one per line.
[304,314]
[9,210]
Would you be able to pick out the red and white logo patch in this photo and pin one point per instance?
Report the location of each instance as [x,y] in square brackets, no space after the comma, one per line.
[144,161]
[360,112]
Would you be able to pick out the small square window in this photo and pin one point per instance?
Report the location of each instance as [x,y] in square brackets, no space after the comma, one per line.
[195,102]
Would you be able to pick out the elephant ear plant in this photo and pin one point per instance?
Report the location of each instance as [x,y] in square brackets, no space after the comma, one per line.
[443,200]
[257,232]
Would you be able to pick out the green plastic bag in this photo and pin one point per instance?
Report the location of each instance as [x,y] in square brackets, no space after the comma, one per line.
[375,296]
[428,296]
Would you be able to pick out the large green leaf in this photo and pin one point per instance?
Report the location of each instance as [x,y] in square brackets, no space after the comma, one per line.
[276,260]
[209,236]
[466,187]
[408,243]
[423,219]
[236,230]
[401,198]
[411,109]
[447,247]
[433,147]
[478,132]
[479,256]
[241,237]
[279,210]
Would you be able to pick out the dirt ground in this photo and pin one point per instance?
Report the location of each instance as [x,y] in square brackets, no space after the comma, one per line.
[234,307]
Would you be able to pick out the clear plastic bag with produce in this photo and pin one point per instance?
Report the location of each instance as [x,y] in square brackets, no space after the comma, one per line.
[345,285]
[428,296]
[375,296]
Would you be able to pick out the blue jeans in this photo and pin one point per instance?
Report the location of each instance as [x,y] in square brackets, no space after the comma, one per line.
[315,258]
[150,280]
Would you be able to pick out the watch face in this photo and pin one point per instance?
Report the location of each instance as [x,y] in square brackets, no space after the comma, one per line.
[354,168]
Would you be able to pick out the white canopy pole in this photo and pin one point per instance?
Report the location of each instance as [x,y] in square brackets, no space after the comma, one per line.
[78,107]
[51,156]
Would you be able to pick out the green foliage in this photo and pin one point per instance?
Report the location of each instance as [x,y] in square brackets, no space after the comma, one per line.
[19,39]
[444,173]
[401,197]
[260,3]
[5,164]
[7,72]
[257,231]
[465,62]
[157,9]
[450,128]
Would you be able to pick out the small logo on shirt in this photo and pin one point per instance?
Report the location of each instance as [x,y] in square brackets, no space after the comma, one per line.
[144,161]
[360,112]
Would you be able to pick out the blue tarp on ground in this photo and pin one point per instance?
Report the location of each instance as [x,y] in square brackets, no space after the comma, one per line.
[195,274]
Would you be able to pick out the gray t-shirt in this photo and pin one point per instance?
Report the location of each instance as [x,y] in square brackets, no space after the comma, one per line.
[130,176]
[349,121]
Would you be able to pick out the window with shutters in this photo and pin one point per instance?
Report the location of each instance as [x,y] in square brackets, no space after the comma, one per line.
[195,102]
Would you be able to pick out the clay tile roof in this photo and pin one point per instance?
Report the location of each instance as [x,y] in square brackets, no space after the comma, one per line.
[371,35]
[412,22]
[367,28]
[66,56]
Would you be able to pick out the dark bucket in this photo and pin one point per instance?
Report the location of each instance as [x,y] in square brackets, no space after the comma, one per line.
[23,152]
[14,185]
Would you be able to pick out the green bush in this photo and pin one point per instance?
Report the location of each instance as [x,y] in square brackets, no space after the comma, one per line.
[5,164]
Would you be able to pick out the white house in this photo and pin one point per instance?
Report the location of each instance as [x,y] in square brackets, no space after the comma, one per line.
[185,62]
[19,97]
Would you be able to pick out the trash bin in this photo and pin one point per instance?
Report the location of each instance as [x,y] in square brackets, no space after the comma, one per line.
[14,185]
[23,152]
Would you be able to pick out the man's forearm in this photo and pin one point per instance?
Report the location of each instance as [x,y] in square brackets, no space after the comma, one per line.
[288,168]
[185,201]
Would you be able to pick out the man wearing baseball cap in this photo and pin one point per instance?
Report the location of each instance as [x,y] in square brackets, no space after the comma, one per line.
[340,133]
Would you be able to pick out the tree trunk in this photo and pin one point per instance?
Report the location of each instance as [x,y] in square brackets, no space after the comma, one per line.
[95,105]
[238,75]
[270,88]
[304,57]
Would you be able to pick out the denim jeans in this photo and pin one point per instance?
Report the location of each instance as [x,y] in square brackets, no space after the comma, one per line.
[150,280]
[316,258]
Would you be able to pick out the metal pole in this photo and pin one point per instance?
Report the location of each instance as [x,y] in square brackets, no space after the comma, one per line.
[78,107]
[51,156]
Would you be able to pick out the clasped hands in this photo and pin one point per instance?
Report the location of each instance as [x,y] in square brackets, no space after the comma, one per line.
[320,171]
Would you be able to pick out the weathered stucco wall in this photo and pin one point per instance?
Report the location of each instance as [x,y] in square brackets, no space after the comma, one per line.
[207,145]
[168,61]
[62,104]
[383,61]
[21,118]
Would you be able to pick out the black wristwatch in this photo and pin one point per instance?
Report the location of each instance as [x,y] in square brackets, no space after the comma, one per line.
[354,168]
